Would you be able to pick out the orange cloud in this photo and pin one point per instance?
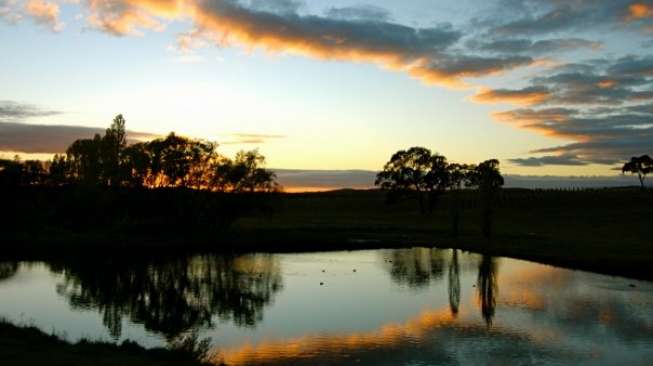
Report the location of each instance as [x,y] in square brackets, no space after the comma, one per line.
[46,13]
[120,18]
[606,84]
[547,122]
[526,96]
[638,11]
[420,53]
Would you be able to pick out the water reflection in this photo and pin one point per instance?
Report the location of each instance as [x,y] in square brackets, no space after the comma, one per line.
[8,270]
[454,283]
[172,297]
[487,288]
[400,307]
[416,267]
[431,338]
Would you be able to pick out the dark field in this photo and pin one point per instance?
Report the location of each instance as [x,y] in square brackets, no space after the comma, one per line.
[607,231]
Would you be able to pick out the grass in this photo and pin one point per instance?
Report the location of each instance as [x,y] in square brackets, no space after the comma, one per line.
[28,346]
[607,230]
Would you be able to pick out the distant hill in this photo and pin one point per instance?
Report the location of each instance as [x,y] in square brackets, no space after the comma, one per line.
[294,180]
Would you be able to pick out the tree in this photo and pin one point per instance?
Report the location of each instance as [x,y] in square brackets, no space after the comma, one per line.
[136,163]
[641,166]
[111,148]
[243,174]
[84,160]
[11,172]
[34,173]
[58,170]
[487,177]
[172,162]
[414,173]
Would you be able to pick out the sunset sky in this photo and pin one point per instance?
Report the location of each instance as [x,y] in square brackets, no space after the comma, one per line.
[560,87]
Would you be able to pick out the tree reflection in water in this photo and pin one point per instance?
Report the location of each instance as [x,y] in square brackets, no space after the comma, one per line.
[173,297]
[8,270]
[454,283]
[416,267]
[487,287]
[419,267]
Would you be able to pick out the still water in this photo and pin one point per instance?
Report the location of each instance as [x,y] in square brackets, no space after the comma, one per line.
[417,306]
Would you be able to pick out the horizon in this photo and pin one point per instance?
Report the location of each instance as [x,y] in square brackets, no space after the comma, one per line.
[336,85]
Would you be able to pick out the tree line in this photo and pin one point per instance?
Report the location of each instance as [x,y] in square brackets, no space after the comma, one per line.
[170,162]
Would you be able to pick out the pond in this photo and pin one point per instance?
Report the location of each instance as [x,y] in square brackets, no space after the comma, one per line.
[419,306]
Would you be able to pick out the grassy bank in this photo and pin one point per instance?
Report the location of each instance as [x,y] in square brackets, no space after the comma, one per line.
[606,231]
[27,346]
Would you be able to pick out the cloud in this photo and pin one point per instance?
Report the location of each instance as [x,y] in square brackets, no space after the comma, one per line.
[603,107]
[33,138]
[527,46]
[633,66]
[359,12]
[601,82]
[293,180]
[639,10]
[9,12]
[45,13]
[549,160]
[277,6]
[251,138]
[11,111]
[602,136]
[552,16]
[131,17]
[526,96]
[358,34]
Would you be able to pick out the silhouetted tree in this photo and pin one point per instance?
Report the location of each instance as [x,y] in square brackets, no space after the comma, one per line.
[11,172]
[414,173]
[642,166]
[244,174]
[15,172]
[84,160]
[173,161]
[58,172]
[111,148]
[487,177]
[137,164]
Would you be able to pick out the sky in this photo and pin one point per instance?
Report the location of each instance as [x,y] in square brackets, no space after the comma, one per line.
[548,87]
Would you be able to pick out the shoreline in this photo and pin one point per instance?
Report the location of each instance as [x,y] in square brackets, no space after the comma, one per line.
[633,269]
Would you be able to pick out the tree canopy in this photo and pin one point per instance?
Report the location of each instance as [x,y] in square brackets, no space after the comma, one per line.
[418,173]
[168,162]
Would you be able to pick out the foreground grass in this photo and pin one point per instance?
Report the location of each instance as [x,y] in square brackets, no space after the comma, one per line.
[27,346]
